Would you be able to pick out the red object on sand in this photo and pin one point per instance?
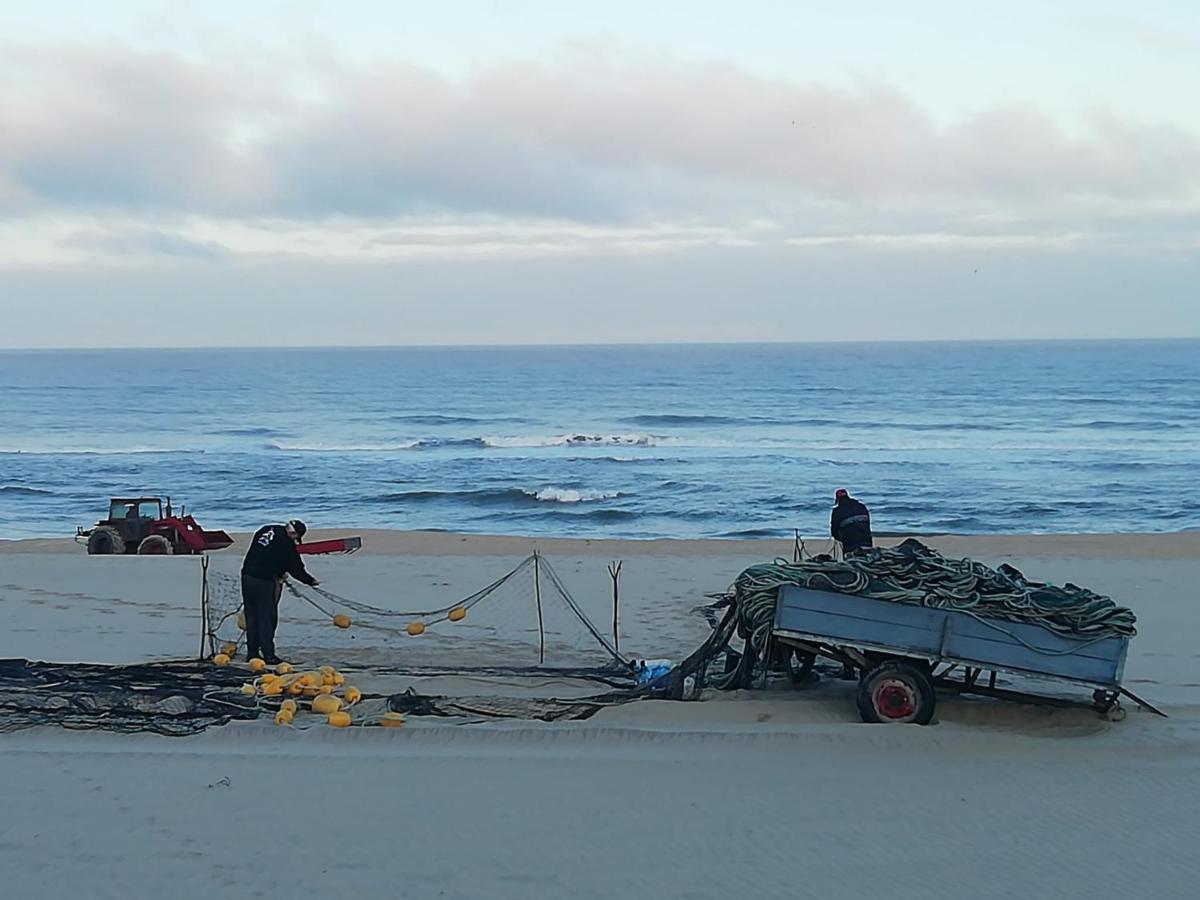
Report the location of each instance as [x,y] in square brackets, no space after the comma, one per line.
[333,545]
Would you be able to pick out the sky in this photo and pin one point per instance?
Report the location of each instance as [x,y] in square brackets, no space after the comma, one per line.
[367,173]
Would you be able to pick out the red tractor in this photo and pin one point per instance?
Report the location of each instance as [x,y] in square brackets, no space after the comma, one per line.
[137,525]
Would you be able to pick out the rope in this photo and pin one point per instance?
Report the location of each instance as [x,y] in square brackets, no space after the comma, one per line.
[913,573]
[467,602]
[442,614]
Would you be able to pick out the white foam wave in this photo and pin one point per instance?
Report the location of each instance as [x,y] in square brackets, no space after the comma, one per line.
[570,495]
[572,439]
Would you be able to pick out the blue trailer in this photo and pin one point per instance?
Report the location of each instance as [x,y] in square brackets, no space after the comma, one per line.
[903,653]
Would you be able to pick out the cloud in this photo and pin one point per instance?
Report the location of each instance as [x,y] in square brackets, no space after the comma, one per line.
[596,138]
[106,127]
[146,243]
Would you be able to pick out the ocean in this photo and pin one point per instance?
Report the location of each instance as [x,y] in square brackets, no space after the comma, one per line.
[612,441]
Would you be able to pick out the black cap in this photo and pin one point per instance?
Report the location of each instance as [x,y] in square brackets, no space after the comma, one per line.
[300,528]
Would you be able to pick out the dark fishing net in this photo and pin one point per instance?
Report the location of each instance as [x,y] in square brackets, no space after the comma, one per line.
[170,698]
[486,706]
[521,647]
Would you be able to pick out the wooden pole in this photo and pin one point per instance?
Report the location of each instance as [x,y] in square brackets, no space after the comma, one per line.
[537,595]
[614,571]
[203,604]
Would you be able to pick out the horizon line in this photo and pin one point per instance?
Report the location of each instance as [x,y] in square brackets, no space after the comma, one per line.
[598,344]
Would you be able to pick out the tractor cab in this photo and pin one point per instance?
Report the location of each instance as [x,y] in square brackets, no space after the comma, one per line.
[136,508]
[131,519]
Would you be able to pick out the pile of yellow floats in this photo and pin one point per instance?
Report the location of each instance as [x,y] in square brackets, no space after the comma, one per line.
[322,691]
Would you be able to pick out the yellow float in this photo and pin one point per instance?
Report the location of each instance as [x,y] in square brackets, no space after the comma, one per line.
[326,703]
[229,649]
[249,690]
[391,719]
[283,668]
[415,628]
[257,665]
[289,705]
[283,717]
[339,719]
[220,659]
[457,614]
[341,620]
[353,695]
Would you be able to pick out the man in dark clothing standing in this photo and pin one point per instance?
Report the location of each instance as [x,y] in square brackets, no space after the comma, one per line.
[272,555]
[850,523]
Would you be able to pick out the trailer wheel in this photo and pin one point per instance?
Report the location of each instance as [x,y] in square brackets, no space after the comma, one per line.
[155,545]
[105,540]
[896,693]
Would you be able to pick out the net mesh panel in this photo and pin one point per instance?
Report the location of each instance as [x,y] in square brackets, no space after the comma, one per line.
[486,706]
[525,621]
[171,698]
[524,633]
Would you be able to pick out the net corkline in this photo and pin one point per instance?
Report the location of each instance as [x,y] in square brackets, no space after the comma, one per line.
[221,609]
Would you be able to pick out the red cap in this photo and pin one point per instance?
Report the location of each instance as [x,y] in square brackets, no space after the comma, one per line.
[840,493]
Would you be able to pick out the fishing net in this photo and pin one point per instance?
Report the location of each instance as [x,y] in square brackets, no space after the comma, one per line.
[521,647]
[526,621]
[181,698]
[171,698]
[491,706]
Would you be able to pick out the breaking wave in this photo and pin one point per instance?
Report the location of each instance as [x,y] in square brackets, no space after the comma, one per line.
[500,496]
[571,440]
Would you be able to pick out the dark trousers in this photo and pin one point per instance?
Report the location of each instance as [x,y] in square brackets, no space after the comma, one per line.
[260,604]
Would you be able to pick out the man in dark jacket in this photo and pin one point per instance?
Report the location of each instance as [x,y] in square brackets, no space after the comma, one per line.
[272,555]
[850,523]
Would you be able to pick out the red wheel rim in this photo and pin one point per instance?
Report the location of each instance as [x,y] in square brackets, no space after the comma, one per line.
[895,699]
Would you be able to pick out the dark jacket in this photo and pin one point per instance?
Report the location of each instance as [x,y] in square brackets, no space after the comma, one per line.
[850,523]
[272,554]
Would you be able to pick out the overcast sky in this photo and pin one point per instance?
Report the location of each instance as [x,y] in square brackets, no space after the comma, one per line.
[524,172]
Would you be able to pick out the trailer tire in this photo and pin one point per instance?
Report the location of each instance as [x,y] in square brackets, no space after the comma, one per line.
[105,540]
[896,693]
[155,545]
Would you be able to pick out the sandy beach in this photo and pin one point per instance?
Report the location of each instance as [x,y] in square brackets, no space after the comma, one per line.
[778,791]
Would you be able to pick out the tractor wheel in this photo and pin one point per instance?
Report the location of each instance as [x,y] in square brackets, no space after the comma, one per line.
[155,545]
[105,540]
[896,692]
